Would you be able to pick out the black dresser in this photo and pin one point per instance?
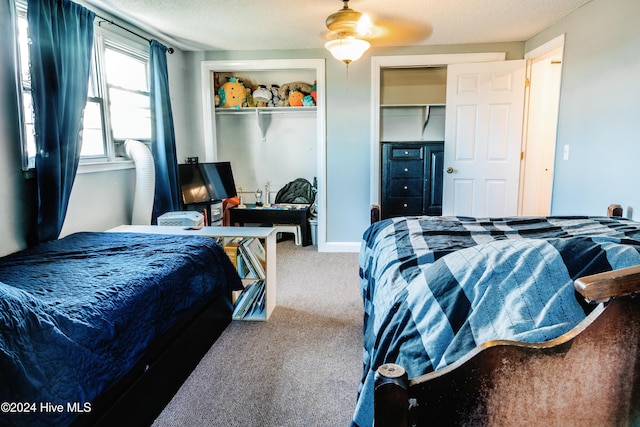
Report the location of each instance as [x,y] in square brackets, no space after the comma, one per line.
[411,178]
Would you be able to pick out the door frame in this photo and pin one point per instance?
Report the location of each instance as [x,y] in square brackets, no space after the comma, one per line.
[406,61]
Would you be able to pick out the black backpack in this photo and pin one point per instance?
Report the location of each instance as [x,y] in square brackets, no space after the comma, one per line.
[297,191]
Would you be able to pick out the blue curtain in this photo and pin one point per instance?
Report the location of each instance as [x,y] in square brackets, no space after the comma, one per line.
[163,140]
[61,34]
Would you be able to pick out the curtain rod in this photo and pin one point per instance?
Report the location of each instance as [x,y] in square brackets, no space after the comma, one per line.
[109,21]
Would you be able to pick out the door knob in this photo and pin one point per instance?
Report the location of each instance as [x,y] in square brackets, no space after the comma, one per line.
[449,169]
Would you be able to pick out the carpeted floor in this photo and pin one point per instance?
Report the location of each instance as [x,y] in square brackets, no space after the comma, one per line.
[300,368]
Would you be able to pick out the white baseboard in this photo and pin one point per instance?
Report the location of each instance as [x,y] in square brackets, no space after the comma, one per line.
[339,247]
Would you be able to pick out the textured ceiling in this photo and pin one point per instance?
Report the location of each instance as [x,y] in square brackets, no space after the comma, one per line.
[300,24]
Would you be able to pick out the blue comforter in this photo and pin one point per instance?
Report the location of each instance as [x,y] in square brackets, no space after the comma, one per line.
[77,314]
[436,288]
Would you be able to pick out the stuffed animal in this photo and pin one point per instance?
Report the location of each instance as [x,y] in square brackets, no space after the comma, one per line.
[262,95]
[308,101]
[232,94]
[295,98]
[287,88]
[250,102]
[314,92]
[275,96]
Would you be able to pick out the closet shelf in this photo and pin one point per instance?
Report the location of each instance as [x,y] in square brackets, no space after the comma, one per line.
[265,110]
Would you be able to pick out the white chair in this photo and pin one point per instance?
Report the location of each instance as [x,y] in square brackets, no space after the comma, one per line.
[289,228]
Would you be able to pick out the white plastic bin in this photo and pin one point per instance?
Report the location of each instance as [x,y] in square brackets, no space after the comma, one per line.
[313,224]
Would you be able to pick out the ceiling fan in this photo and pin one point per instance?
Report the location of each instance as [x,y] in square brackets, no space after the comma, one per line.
[351,31]
[348,26]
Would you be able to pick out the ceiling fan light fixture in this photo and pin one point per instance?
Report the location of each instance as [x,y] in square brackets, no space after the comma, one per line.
[347,49]
[347,24]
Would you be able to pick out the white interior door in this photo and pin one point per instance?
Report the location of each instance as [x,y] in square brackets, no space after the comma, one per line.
[541,124]
[483,138]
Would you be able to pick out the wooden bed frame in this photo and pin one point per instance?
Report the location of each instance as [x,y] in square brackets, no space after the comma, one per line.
[144,392]
[588,376]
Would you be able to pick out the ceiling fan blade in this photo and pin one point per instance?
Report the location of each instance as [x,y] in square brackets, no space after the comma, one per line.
[399,32]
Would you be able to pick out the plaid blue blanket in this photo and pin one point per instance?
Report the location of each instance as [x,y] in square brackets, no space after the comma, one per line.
[435,288]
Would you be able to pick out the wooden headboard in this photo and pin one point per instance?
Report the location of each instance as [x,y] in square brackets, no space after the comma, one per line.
[588,376]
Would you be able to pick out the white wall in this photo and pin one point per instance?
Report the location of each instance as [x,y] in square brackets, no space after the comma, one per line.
[599,117]
[289,150]
[181,97]
[100,201]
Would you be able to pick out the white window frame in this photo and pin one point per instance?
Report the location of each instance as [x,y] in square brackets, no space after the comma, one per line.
[114,157]
[17,8]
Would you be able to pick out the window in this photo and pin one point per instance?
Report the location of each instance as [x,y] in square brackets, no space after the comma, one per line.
[28,132]
[118,104]
[128,89]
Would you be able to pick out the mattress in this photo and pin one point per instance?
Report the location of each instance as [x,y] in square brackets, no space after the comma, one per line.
[434,288]
[76,314]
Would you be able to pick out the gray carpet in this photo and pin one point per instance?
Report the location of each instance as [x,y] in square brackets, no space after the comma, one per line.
[300,368]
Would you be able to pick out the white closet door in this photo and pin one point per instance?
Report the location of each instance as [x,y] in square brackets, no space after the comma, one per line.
[483,138]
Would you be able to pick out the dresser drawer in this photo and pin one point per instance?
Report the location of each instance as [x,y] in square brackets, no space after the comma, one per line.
[406,169]
[407,153]
[398,206]
[405,187]
[411,178]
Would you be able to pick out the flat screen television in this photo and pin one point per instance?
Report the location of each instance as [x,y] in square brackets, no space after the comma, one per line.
[206,182]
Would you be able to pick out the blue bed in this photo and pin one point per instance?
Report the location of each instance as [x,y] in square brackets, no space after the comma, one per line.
[436,288]
[77,314]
